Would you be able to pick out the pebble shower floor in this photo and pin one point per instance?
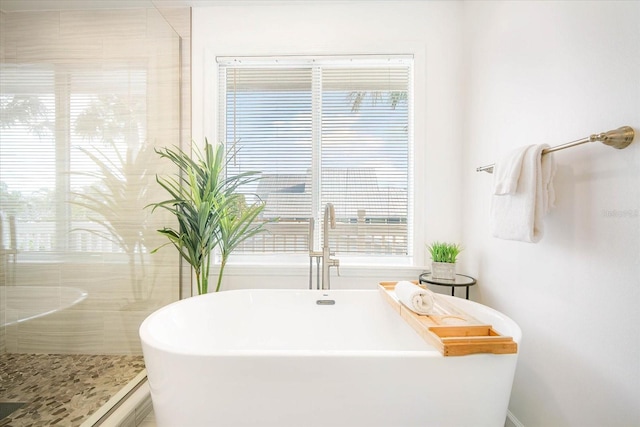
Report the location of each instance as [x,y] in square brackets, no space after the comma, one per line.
[61,389]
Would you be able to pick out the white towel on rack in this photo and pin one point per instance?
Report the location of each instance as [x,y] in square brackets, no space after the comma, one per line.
[414,297]
[506,171]
[519,215]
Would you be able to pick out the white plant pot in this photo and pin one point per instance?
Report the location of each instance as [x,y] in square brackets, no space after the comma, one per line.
[443,270]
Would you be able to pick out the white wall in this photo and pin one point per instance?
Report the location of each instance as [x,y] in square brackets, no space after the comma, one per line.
[553,72]
[498,75]
[429,30]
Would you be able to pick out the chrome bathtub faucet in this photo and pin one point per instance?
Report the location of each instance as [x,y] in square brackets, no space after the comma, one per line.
[328,262]
[324,255]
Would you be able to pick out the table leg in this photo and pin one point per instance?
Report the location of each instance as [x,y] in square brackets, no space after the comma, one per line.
[467,292]
[453,291]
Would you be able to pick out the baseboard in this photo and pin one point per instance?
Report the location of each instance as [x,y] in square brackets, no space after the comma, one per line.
[512,421]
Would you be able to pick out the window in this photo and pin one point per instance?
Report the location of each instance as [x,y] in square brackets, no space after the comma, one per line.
[323,130]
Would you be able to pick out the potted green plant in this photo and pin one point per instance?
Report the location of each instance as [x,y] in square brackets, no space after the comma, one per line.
[210,211]
[443,259]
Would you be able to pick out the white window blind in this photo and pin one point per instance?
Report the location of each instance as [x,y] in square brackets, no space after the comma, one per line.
[323,130]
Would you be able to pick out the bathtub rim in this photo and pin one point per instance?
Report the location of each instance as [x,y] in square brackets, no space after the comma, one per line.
[148,341]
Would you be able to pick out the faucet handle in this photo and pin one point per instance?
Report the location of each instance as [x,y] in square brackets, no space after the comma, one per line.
[335,263]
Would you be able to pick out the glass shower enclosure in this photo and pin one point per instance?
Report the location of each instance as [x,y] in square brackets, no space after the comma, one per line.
[86,96]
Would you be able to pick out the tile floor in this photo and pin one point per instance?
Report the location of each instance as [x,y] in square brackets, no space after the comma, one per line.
[61,389]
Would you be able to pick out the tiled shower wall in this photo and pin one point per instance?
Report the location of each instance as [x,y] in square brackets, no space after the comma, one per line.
[121,291]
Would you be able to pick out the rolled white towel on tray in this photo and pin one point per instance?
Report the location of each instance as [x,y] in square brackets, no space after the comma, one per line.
[414,297]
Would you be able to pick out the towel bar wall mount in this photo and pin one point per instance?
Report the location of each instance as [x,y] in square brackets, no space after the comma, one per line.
[618,138]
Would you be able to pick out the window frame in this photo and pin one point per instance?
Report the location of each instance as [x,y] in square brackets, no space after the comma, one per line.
[212,103]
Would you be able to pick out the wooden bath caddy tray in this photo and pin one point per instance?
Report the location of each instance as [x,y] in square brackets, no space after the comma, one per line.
[450,330]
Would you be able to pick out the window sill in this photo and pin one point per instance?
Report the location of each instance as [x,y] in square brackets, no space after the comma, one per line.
[279,270]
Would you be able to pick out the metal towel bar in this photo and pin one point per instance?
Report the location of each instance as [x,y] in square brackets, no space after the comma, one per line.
[618,138]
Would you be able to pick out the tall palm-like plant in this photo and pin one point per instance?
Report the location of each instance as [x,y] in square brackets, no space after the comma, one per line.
[236,224]
[208,208]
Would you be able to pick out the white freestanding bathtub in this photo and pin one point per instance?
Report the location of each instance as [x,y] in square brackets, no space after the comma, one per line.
[289,358]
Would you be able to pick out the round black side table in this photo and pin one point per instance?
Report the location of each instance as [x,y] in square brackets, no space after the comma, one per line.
[460,280]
